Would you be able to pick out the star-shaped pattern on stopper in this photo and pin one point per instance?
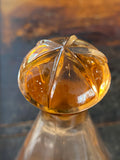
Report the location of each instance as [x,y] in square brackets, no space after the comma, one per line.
[64,75]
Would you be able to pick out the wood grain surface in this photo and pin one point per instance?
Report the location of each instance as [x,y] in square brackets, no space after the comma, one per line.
[99,20]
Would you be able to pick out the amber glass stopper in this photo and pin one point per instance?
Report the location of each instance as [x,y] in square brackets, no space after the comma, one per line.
[64,75]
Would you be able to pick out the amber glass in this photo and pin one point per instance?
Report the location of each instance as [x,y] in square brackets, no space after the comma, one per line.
[64,75]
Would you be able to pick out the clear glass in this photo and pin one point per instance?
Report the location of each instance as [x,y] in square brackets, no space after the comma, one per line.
[55,137]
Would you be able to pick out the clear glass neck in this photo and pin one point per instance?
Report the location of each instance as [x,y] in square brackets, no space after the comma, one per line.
[63,137]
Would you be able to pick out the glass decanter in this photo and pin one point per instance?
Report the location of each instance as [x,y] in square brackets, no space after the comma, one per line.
[64,77]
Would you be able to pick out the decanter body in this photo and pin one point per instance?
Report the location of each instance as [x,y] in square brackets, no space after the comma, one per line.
[64,77]
[55,137]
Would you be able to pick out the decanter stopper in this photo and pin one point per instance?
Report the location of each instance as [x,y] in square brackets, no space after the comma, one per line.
[64,75]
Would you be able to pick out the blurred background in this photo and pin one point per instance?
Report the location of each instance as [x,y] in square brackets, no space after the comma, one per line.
[22,24]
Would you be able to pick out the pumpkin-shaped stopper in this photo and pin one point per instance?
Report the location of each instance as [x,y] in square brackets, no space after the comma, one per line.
[64,75]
